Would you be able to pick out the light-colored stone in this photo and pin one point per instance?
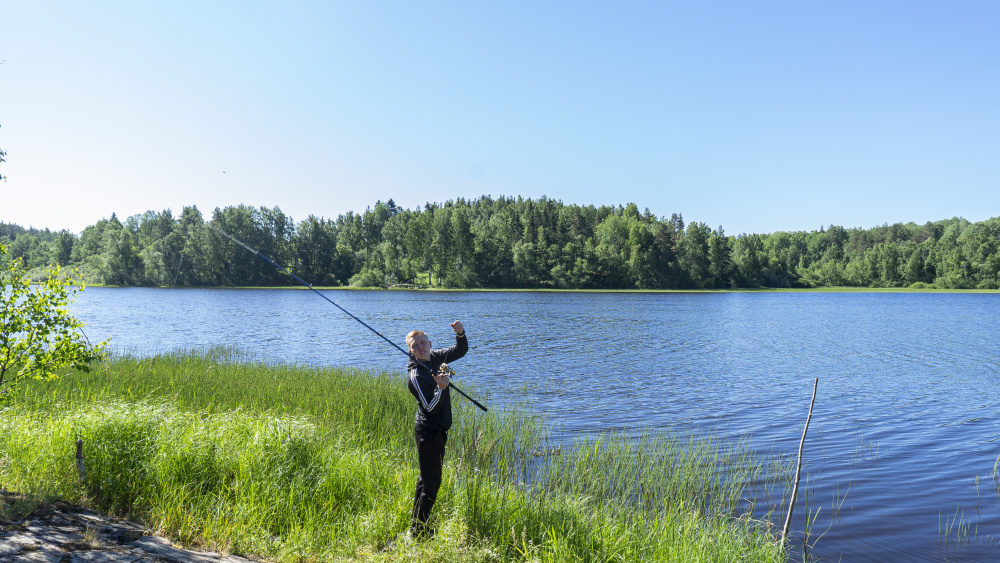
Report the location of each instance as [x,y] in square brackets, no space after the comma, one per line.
[39,556]
[65,528]
[8,548]
[58,538]
[68,534]
[163,548]
[23,539]
[106,557]
[122,532]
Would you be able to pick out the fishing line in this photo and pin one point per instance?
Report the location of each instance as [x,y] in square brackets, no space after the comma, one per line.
[178,269]
[334,303]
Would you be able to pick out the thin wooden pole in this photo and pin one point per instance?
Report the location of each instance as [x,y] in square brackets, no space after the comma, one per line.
[79,459]
[798,467]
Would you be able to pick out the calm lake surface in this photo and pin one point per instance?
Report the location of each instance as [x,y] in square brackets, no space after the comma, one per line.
[903,439]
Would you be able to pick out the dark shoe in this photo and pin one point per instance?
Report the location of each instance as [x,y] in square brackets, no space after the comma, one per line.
[421,531]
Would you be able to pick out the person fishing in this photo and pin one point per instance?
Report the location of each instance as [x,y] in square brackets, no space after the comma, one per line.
[429,383]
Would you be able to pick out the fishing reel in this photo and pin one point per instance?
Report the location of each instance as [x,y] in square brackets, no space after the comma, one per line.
[444,369]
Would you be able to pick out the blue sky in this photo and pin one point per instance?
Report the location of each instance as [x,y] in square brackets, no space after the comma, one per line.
[756,116]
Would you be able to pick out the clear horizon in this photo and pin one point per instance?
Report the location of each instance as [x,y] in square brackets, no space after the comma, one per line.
[763,117]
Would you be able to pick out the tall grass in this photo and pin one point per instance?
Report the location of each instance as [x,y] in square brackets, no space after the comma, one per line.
[296,463]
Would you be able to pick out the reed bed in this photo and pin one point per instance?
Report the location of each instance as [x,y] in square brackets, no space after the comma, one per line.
[295,463]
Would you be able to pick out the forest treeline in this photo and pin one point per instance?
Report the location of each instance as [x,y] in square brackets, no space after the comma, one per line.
[509,242]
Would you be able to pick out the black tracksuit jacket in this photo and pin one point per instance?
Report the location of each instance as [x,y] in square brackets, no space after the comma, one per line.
[434,404]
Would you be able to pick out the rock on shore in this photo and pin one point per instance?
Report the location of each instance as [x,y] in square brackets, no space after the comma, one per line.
[62,533]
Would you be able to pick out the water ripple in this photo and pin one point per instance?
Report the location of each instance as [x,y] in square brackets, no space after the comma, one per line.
[904,421]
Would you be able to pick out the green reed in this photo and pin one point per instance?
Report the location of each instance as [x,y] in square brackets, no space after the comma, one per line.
[298,463]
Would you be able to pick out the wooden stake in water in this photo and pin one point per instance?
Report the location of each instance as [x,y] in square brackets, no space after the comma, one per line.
[798,466]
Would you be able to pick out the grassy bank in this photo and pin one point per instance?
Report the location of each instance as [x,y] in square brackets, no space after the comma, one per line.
[295,463]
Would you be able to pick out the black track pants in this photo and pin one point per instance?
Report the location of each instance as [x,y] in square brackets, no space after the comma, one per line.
[430,454]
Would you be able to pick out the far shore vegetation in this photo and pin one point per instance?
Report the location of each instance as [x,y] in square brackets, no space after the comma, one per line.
[831,289]
[510,243]
[293,463]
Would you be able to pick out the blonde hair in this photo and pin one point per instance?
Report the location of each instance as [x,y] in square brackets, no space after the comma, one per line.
[413,334]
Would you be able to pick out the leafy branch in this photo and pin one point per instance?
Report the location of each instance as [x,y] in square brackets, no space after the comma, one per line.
[39,337]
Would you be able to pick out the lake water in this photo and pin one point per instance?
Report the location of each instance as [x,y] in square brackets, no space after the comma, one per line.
[903,438]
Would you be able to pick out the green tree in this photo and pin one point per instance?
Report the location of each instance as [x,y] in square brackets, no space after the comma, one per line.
[62,248]
[665,250]
[419,234]
[39,338]
[720,259]
[695,254]
[29,250]
[267,230]
[888,265]
[786,252]
[393,247]
[193,260]
[642,258]
[160,247]
[464,248]
[316,248]
[442,241]
[121,263]
[914,271]
[748,254]
[612,237]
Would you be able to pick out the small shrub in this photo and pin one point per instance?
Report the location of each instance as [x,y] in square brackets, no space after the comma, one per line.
[368,278]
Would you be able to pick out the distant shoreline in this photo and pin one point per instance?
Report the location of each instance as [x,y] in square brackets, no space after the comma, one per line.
[837,289]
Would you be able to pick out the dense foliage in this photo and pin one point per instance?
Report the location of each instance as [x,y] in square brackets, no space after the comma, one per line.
[39,338]
[512,243]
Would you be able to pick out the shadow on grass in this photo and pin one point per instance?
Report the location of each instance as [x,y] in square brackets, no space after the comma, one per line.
[17,506]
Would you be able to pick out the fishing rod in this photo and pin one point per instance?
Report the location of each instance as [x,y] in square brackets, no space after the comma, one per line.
[334,303]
